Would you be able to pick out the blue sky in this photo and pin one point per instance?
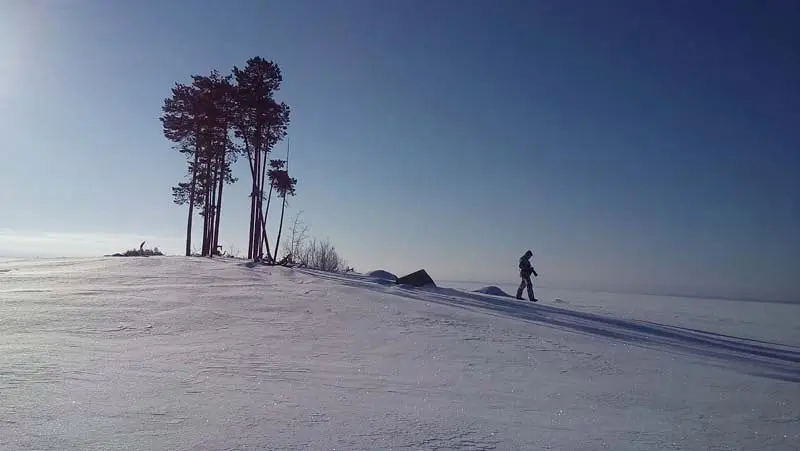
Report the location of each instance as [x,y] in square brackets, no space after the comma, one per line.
[630,144]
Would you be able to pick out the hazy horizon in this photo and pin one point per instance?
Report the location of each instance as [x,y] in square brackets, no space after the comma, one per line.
[634,145]
[509,284]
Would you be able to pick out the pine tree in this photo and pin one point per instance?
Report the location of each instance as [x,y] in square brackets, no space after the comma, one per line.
[198,118]
[259,122]
[285,186]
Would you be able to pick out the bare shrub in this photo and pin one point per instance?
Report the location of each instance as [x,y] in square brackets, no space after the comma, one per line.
[321,255]
[298,236]
[304,251]
[141,252]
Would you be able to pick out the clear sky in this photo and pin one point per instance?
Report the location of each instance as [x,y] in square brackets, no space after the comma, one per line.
[630,144]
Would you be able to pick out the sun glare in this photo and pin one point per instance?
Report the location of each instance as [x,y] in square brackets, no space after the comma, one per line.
[7,59]
[10,53]
[18,31]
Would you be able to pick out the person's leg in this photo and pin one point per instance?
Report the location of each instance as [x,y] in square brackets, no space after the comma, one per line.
[529,285]
[521,287]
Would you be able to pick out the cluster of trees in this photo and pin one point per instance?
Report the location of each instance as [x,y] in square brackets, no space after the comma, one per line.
[213,121]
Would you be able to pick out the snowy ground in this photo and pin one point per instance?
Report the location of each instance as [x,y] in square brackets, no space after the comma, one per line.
[175,353]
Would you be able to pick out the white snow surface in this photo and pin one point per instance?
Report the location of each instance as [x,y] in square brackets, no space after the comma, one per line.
[190,353]
[382,274]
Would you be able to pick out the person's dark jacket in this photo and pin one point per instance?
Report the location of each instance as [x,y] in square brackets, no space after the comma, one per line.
[525,267]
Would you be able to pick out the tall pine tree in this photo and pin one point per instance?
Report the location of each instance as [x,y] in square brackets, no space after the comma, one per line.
[197,118]
[259,122]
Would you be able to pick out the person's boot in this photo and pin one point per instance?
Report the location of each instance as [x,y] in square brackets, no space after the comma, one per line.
[530,294]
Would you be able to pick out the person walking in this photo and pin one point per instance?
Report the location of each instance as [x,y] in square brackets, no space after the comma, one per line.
[525,271]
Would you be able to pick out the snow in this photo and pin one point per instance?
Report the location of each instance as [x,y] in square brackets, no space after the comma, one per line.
[492,291]
[381,274]
[191,353]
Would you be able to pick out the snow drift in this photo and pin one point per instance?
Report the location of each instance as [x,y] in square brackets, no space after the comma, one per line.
[492,291]
[193,353]
[381,274]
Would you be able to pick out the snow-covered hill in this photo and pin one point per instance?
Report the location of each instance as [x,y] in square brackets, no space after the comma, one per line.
[179,353]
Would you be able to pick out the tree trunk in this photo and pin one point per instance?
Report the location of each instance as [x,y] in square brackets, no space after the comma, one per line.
[221,176]
[252,223]
[264,234]
[269,200]
[259,202]
[192,189]
[213,218]
[280,227]
[206,212]
[262,215]
[283,206]
[251,163]
[252,252]
[270,258]
[209,207]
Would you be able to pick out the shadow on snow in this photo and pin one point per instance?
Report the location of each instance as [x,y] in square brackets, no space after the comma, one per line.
[767,359]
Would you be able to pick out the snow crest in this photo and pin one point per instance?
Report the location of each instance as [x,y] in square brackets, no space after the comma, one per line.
[492,291]
[381,274]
